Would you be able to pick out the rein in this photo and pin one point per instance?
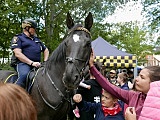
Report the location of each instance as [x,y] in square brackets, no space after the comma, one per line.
[59,92]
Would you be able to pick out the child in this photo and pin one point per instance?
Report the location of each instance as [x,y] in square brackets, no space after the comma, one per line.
[108,109]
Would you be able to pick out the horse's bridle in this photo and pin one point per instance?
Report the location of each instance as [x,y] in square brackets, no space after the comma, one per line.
[72,59]
[80,29]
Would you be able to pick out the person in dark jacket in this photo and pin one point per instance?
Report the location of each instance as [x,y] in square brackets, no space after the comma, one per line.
[90,95]
[107,109]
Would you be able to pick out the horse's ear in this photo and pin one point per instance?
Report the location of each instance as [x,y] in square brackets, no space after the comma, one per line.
[89,21]
[69,21]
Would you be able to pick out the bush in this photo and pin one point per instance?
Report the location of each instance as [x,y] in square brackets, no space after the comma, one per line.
[6,66]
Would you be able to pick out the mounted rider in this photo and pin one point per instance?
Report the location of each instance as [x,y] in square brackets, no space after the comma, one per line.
[27,49]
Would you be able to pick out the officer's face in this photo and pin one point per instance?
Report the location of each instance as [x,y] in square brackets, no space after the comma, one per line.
[32,31]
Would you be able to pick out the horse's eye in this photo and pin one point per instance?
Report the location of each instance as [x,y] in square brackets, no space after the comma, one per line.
[65,44]
[87,35]
[88,44]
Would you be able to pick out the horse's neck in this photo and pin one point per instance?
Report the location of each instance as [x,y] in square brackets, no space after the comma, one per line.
[57,59]
[56,67]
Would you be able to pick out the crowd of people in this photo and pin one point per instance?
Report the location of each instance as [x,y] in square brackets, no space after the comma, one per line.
[139,103]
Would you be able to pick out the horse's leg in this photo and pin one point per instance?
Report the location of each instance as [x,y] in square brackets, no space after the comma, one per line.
[71,115]
[64,118]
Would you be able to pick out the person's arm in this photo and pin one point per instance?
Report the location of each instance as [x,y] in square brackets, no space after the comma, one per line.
[83,105]
[130,114]
[18,53]
[114,90]
[84,85]
[46,54]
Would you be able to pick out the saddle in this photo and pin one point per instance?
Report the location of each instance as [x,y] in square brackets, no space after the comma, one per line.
[12,78]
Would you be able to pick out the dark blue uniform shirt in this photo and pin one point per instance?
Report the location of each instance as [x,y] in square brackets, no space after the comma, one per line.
[31,47]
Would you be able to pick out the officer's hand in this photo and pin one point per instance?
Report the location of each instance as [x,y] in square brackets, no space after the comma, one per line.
[36,64]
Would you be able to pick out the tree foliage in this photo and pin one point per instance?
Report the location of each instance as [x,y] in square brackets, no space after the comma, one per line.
[152,9]
[51,18]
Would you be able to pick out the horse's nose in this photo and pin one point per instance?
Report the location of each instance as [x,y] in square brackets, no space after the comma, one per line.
[76,77]
[76,80]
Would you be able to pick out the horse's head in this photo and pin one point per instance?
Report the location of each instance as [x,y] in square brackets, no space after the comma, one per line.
[78,50]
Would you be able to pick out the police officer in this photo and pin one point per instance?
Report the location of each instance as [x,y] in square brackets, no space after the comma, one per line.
[27,49]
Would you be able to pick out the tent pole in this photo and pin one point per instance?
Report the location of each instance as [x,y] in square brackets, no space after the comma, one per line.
[135,70]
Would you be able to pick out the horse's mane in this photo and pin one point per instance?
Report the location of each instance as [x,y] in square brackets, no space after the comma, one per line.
[58,54]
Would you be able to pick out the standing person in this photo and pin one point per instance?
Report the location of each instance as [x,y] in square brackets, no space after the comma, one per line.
[27,49]
[122,80]
[112,77]
[90,95]
[107,109]
[130,79]
[16,104]
[123,84]
[131,98]
[151,107]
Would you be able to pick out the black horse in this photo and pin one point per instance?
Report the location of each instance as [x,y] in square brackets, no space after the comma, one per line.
[54,83]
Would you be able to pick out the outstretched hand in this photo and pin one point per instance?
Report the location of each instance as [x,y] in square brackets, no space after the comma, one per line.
[91,61]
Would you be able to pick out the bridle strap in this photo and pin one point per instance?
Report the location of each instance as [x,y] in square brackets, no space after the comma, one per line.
[71,60]
[59,92]
[80,29]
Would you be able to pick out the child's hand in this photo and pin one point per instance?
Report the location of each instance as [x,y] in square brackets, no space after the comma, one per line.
[130,113]
[77,98]
[88,87]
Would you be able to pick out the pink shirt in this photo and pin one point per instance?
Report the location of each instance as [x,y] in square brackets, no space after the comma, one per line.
[151,107]
[132,98]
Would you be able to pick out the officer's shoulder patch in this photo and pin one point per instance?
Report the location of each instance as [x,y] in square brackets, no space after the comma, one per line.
[15,39]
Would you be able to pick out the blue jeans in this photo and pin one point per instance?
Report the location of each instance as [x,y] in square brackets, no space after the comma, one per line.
[22,70]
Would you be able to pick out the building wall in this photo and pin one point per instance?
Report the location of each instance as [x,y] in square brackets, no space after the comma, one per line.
[153,60]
